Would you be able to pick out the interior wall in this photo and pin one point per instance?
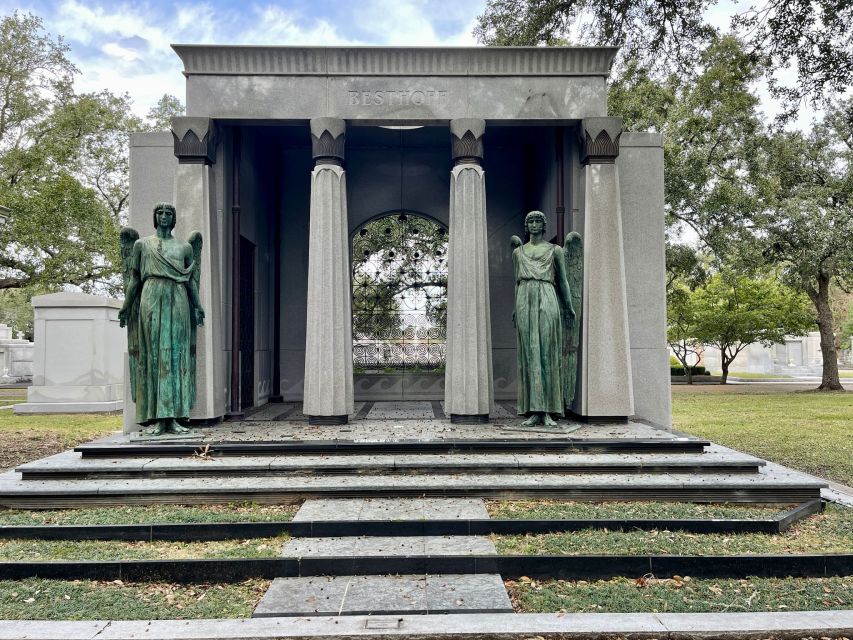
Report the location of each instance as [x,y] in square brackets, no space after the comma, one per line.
[520,167]
[258,199]
[389,170]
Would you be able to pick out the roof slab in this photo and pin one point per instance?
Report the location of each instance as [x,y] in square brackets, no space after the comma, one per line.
[389,85]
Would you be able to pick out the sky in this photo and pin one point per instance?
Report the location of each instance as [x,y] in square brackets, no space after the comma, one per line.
[125,46]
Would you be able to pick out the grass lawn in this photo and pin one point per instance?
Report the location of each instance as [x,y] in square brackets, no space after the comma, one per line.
[152,514]
[755,376]
[829,532]
[623,595]
[35,550]
[89,600]
[26,437]
[557,510]
[806,430]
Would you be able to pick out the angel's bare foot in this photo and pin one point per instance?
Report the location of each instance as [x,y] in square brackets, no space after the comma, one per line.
[549,421]
[172,426]
[533,420]
[156,429]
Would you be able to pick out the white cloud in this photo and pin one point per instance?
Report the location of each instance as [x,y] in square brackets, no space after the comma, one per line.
[115,50]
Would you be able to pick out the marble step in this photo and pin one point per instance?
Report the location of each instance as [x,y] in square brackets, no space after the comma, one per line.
[768,485]
[361,546]
[215,448]
[70,465]
[389,595]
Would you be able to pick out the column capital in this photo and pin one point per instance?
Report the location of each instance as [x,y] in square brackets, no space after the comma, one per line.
[327,140]
[194,139]
[466,139]
[599,139]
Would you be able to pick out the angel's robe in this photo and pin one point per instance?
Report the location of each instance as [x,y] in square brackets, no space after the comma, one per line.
[539,326]
[165,375]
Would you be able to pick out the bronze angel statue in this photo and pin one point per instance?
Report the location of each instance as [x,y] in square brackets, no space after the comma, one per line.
[546,323]
[161,311]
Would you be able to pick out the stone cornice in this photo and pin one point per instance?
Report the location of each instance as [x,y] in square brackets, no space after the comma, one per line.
[228,60]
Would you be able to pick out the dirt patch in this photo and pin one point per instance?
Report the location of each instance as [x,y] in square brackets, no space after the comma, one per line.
[23,446]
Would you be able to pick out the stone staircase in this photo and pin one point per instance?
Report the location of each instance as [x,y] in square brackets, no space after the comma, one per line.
[275,460]
[387,594]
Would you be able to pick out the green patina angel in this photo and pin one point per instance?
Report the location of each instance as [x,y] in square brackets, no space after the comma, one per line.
[544,314]
[161,311]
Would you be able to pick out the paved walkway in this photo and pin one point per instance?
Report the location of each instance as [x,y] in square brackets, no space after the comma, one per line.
[507,626]
[387,595]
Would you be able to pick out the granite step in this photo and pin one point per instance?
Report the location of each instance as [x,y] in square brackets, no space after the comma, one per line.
[71,465]
[386,595]
[216,448]
[768,485]
[360,546]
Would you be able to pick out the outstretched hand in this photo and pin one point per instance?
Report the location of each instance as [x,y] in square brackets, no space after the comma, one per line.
[122,317]
[198,316]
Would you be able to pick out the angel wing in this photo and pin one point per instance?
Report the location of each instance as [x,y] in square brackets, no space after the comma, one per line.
[196,242]
[127,237]
[514,242]
[573,250]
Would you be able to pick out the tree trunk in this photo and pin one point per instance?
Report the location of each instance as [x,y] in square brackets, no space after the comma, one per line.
[820,298]
[689,372]
[724,363]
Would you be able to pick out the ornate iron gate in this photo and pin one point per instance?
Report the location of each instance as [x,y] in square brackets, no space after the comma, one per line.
[399,277]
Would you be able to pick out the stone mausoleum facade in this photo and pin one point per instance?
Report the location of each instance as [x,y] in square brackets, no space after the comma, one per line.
[286,152]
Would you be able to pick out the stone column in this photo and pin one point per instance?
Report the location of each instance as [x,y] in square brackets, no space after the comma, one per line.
[469,392]
[606,385]
[328,395]
[195,148]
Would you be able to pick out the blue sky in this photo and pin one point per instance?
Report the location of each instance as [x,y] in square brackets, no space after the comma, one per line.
[124,46]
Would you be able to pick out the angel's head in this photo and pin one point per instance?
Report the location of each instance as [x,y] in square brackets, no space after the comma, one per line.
[534,217]
[165,210]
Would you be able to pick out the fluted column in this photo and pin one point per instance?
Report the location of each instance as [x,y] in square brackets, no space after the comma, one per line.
[328,396]
[195,142]
[468,381]
[606,384]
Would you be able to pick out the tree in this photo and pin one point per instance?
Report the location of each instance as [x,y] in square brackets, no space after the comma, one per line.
[814,36]
[63,165]
[713,140]
[733,311]
[680,328]
[160,115]
[808,224]
[16,309]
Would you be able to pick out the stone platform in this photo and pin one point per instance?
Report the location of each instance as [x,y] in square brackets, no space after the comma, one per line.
[267,459]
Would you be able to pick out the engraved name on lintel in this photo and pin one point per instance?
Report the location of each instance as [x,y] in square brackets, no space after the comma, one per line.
[397,97]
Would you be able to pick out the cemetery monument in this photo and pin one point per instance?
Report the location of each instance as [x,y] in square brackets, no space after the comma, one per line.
[288,154]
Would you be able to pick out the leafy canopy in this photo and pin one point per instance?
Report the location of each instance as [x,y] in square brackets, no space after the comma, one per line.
[814,37]
[63,165]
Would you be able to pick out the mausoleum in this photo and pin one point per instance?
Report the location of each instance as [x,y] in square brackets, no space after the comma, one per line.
[356,206]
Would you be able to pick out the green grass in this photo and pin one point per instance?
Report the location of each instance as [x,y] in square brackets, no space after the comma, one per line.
[556,510]
[152,514]
[87,600]
[755,376]
[623,595]
[806,430]
[36,550]
[30,437]
[70,425]
[829,532]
